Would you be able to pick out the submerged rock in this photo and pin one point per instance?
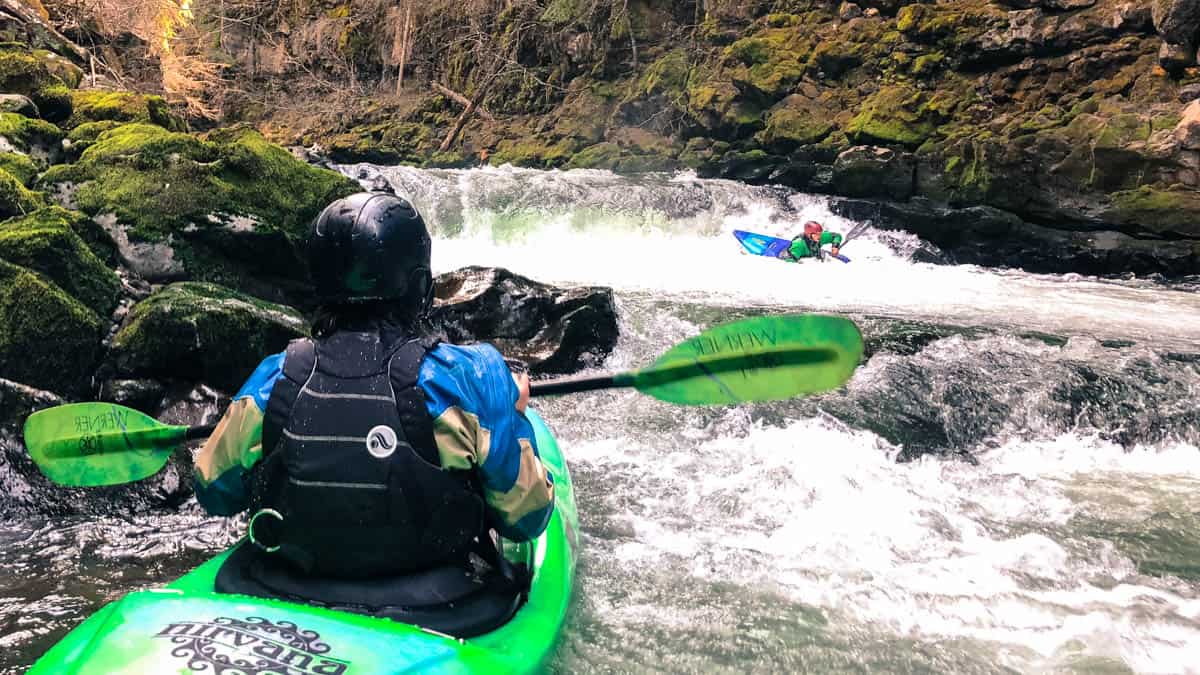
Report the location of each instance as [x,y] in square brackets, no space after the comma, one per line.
[549,329]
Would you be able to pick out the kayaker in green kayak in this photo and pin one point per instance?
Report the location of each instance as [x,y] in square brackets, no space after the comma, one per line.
[373,452]
[808,245]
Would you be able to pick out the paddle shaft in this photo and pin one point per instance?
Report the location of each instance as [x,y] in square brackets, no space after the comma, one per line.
[571,385]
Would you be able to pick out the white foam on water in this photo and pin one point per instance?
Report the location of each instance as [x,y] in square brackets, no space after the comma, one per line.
[931,549]
[672,235]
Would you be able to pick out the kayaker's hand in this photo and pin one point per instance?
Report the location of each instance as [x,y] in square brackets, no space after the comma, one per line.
[834,250]
[522,381]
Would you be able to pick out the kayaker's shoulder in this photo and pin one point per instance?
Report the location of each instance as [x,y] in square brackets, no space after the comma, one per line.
[473,355]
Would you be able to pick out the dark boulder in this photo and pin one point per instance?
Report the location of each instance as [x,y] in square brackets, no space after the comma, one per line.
[871,171]
[551,330]
[983,235]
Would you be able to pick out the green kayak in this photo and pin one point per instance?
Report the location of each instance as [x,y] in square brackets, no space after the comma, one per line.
[187,627]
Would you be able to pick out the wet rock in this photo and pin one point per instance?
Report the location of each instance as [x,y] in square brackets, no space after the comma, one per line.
[849,10]
[1189,93]
[987,236]
[202,332]
[870,171]
[144,394]
[551,330]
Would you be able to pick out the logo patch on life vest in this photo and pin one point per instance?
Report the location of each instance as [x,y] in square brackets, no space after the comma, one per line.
[381,441]
[251,645]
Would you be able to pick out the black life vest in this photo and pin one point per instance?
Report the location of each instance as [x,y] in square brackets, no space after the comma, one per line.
[351,485]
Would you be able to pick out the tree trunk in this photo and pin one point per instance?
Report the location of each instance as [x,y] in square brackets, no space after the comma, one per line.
[466,114]
[404,38]
[462,100]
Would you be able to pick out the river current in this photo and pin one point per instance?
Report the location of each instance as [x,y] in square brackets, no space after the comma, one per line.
[1011,482]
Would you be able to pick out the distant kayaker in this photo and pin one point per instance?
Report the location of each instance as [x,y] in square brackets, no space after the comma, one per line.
[372,450]
[808,245]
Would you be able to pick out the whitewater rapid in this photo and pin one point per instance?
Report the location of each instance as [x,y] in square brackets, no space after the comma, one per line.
[673,235]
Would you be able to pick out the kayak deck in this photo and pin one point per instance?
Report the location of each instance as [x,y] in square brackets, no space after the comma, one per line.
[187,627]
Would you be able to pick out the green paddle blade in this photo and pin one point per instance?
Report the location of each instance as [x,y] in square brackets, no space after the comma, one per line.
[91,444]
[768,358]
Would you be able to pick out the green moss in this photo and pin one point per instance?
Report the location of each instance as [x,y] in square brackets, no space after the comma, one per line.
[62,68]
[796,121]
[667,75]
[834,58]
[15,198]
[21,72]
[47,339]
[782,20]
[94,105]
[533,152]
[83,136]
[202,331]
[896,114]
[926,65]
[159,181]
[20,166]
[950,24]
[44,242]
[1121,130]
[1174,210]
[598,156]
[772,61]
[24,133]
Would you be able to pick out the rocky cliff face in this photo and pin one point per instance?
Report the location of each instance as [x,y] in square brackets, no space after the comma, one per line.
[1072,116]
[1072,124]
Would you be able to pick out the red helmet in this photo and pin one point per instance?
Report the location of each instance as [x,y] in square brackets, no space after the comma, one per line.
[812,227]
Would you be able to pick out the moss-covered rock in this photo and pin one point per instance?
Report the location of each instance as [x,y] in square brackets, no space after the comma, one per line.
[202,332]
[534,152]
[797,120]
[83,136]
[230,207]
[95,105]
[772,61]
[900,115]
[24,72]
[1172,211]
[45,242]
[36,138]
[15,198]
[20,166]
[48,339]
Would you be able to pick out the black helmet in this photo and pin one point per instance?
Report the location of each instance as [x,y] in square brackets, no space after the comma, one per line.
[370,246]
